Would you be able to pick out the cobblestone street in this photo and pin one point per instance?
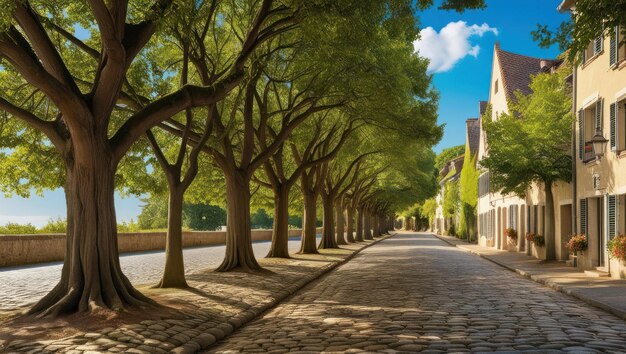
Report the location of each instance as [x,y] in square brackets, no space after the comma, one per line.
[24,285]
[413,292]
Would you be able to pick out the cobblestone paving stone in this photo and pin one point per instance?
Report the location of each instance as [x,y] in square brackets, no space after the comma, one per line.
[413,292]
[217,305]
[24,285]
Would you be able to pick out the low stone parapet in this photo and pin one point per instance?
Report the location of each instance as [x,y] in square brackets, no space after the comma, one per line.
[18,250]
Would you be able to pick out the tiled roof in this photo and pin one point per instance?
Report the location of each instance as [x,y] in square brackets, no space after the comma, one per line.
[473,135]
[517,70]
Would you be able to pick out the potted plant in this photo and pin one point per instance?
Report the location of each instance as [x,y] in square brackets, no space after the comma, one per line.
[539,240]
[530,237]
[511,234]
[617,248]
[576,243]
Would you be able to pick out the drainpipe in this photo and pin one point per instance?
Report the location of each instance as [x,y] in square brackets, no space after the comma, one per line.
[574,157]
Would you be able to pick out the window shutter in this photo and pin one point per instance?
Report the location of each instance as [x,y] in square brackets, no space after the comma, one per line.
[613,46]
[583,216]
[581,133]
[599,107]
[597,45]
[612,215]
[614,131]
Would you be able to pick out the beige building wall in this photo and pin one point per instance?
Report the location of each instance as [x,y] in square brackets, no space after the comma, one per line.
[599,85]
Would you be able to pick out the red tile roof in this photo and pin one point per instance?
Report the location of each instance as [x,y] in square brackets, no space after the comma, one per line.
[517,70]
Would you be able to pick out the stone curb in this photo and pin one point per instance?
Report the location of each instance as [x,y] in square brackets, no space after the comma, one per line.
[549,283]
[206,340]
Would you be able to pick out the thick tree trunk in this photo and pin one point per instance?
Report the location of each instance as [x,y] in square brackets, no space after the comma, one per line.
[309,227]
[239,253]
[328,235]
[376,226]
[350,224]
[359,225]
[280,235]
[367,226]
[91,278]
[174,272]
[549,236]
[341,240]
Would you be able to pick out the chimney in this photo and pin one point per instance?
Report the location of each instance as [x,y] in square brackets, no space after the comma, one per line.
[545,64]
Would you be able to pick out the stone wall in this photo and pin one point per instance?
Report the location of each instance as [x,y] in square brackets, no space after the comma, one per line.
[26,249]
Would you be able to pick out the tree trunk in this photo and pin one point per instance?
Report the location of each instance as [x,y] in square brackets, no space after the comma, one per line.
[328,236]
[367,226]
[549,236]
[91,278]
[341,240]
[280,235]
[309,228]
[350,224]
[376,226]
[359,226]
[174,272]
[239,253]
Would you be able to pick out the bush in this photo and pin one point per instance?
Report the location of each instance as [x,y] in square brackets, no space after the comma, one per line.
[511,233]
[452,230]
[617,248]
[538,240]
[58,226]
[14,228]
[576,243]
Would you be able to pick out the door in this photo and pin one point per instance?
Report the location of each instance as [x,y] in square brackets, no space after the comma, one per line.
[600,232]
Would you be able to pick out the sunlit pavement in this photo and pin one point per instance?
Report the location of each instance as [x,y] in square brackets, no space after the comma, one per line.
[20,286]
[413,292]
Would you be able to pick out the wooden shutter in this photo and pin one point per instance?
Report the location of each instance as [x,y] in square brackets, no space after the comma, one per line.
[612,215]
[583,216]
[597,45]
[613,46]
[599,107]
[614,132]
[581,133]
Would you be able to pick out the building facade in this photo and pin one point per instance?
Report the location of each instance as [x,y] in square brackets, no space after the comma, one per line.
[600,105]
[513,72]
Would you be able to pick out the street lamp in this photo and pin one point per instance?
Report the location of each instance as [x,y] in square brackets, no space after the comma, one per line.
[598,142]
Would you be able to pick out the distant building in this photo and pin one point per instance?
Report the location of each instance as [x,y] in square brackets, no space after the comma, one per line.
[449,173]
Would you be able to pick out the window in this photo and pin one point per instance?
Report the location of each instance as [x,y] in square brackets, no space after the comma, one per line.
[593,49]
[483,185]
[617,116]
[617,46]
[495,87]
[589,119]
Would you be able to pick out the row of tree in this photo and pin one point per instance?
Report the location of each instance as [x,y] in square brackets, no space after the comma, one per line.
[221,98]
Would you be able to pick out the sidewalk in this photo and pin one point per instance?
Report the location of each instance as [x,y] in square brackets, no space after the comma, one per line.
[607,294]
[190,319]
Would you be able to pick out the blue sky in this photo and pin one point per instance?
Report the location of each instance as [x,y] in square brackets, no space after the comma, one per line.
[462,56]
[467,82]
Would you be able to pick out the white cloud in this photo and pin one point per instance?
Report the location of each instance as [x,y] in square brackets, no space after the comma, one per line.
[451,44]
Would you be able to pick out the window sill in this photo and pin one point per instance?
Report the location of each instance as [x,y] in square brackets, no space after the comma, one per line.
[621,64]
[592,162]
[592,59]
[621,154]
